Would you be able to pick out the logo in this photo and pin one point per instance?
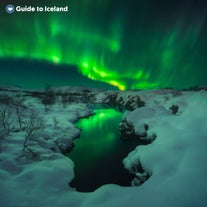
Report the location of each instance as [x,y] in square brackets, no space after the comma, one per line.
[10,8]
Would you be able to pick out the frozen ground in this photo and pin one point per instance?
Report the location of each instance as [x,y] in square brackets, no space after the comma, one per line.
[36,173]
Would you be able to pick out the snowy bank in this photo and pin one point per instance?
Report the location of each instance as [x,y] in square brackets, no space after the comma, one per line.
[176,159]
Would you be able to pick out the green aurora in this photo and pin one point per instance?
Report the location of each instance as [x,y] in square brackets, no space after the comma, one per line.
[134,44]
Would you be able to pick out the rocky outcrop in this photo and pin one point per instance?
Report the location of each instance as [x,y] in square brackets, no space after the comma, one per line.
[127,132]
[121,103]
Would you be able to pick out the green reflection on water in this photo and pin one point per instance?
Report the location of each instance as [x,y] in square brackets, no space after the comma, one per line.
[98,137]
[99,152]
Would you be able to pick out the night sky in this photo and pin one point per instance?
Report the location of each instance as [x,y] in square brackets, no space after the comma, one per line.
[130,44]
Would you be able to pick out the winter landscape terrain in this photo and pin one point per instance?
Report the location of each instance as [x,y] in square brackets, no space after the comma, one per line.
[37,131]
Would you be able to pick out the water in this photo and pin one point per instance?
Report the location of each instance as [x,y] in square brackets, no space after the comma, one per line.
[99,152]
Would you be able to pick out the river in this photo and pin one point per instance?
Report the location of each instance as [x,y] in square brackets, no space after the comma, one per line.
[99,152]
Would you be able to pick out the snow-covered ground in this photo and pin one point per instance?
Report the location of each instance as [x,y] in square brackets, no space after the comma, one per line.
[35,173]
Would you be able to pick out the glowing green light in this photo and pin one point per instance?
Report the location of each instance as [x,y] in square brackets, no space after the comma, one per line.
[56,59]
[115,46]
[85,65]
[145,85]
[100,73]
[101,115]
[117,84]
[99,121]
[138,75]
[99,136]
[123,49]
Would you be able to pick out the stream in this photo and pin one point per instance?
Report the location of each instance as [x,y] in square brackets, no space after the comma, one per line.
[99,151]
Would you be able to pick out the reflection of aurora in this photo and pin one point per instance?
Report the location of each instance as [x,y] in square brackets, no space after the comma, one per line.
[94,140]
[133,44]
[99,152]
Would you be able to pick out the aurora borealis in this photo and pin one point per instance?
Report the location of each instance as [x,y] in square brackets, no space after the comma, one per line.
[134,44]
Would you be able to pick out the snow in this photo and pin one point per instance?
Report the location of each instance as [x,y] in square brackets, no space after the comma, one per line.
[176,159]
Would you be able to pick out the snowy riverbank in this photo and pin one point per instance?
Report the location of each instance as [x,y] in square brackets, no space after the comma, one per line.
[176,159]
